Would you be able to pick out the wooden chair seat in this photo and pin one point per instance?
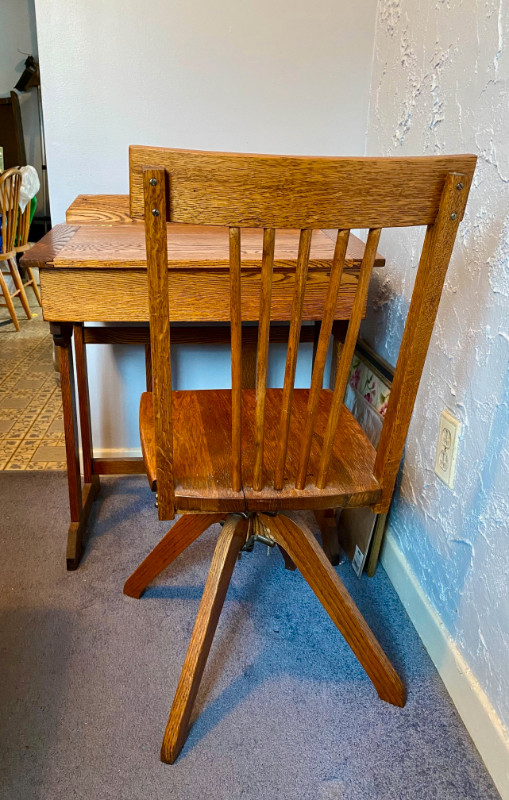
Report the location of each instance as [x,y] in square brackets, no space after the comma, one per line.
[202,436]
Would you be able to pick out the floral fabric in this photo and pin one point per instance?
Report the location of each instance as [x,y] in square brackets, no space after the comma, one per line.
[369,385]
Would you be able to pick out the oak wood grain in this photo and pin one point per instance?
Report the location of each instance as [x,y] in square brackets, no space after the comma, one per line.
[183,533]
[202,454]
[157,273]
[189,247]
[269,191]
[292,449]
[269,238]
[347,353]
[236,358]
[429,281]
[44,252]
[83,401]
[311,561]
[102,295]
[122,245]
[296,316]
[100,209]
[320,355]
[231,539]
[62,336]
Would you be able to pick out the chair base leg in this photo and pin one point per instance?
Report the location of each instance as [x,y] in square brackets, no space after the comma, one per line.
[16,277]
[305,553]
[232,537]
[8,301]
[33,283]
[310,559]
[186,529]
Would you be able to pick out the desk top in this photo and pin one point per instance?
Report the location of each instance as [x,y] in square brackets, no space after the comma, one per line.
[97,272]
[100,209]
[107,238]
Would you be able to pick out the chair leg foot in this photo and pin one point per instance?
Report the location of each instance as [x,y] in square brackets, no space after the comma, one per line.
[186,529]
[232,537]
[323,580]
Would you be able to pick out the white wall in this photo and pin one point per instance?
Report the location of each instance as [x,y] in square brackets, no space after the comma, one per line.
[253,76]
[440,85]
[261,76]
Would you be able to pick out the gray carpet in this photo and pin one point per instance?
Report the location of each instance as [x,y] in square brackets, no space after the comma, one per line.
[284,711]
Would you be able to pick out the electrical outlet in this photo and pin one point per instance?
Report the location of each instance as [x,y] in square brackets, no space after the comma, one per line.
[447,448]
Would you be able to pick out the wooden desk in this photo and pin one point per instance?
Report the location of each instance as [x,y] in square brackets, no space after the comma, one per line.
[95,271]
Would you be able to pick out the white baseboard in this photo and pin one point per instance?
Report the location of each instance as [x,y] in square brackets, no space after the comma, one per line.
[123,452]
[474,707]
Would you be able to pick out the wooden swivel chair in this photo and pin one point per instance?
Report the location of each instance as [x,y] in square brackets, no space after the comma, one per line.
[249,458]
[10,185]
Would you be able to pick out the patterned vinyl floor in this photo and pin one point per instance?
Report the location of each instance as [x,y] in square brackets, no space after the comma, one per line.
[31,424]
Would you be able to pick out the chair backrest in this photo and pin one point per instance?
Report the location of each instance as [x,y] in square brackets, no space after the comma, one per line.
[10,185]
[270,192]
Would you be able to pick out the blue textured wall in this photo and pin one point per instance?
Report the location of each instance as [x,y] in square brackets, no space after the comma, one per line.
[440,85]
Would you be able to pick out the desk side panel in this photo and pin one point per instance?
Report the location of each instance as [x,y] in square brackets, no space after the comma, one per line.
[113,296]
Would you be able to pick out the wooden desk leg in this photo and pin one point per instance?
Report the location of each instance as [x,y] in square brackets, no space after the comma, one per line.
[326,520]
[80,502]
[83,401]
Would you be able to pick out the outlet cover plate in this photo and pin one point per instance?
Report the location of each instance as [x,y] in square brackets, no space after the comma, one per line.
[447,448]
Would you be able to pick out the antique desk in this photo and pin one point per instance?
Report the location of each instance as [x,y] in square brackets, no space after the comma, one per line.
[93,270]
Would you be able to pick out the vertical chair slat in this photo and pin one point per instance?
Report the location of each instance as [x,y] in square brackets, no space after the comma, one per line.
[293,347]
[10,185]
[321,353]
[4,215]
[263,352]
[347,353]
[236,347]
[157,270]
[15,186]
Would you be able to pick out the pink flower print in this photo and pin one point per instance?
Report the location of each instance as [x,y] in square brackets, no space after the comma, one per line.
[369,390]
[354,380]
[384,399]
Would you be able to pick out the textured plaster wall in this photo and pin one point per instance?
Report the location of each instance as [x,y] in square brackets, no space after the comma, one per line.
[440,85]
